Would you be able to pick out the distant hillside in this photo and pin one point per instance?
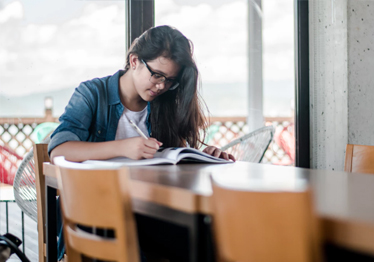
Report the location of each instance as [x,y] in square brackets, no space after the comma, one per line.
[32,105]
[222,99]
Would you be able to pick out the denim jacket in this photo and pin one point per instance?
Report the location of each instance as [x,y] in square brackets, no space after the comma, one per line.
[92,113]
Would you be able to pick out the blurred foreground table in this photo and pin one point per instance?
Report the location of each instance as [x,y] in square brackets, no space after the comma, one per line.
[178,197]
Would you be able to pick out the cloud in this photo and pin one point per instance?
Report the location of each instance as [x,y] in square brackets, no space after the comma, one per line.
[51,56]
[278,39]
[14,10]
[220,37]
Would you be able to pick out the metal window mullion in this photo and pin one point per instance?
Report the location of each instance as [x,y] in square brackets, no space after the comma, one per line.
[140,17]
[302,119]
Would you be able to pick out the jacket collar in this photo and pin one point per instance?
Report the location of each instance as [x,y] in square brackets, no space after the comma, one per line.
[113,88]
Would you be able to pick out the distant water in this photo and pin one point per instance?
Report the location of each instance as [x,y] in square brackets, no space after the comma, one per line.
[231,99]
[222,100]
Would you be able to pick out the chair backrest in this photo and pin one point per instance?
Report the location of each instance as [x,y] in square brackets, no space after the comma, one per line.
[40,152]
[97,199]
[251,147]
[359,159]
[8,164]
[264,226]
[24,186]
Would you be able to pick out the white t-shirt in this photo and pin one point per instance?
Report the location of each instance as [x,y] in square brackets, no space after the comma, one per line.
[125,129]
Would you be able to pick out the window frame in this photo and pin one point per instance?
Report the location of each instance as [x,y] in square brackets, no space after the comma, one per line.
[140,17]
[302,103]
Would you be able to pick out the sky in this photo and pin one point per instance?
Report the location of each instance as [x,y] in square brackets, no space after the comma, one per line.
[219,33]
[51,44]
[50,52]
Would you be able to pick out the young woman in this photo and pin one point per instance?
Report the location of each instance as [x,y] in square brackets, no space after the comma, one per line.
[158,90]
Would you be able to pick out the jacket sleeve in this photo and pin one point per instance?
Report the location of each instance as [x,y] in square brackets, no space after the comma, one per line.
[76,121]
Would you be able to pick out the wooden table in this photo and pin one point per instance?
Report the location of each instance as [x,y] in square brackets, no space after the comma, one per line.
[180,194]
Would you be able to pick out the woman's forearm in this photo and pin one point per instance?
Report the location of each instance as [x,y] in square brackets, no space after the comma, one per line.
[79,151]
[134,148]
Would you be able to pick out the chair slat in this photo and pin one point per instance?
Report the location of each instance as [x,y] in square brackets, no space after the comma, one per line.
[359,159]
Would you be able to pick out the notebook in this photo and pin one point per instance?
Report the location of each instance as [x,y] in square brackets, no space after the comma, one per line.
[170,155]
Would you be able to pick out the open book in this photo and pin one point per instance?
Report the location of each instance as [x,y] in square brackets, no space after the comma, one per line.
[170,155]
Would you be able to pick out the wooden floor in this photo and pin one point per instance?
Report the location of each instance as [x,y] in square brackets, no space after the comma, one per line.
[15,222]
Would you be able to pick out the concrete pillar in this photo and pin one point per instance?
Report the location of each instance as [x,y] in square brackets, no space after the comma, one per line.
[360,72]
[328,83]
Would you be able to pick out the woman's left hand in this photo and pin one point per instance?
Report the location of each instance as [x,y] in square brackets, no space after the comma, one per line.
[214,151]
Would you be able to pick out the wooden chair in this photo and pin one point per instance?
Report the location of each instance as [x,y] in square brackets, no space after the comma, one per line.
[97,199]
[264,226]
[359,159]
[40,156]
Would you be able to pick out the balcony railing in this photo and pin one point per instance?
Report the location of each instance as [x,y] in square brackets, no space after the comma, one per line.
[15,133]
[13,220]
[280,151]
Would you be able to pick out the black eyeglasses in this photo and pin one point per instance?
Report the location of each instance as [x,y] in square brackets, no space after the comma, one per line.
[157,78]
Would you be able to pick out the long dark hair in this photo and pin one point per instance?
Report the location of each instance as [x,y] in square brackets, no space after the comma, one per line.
[177,115]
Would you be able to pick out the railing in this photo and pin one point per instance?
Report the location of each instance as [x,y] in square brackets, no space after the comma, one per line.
[280,151]
[15,133]
[6,202]
[26,231]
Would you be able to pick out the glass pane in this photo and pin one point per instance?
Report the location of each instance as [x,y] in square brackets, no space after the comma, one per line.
[278,57]
[279,77]
[220,33]
[48,48]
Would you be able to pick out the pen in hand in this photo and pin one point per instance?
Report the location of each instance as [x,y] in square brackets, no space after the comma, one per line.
[137,129]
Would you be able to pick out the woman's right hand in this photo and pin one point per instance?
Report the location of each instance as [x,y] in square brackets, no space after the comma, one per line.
[139,147]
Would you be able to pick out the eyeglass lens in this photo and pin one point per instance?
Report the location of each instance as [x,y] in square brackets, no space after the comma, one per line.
[157,79]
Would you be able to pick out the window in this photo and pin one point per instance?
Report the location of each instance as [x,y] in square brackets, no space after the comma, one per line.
[49,47]
[246,64]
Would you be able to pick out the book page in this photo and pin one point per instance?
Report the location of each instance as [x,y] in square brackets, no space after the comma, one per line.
[123,161]
[177,154]
[170,153]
